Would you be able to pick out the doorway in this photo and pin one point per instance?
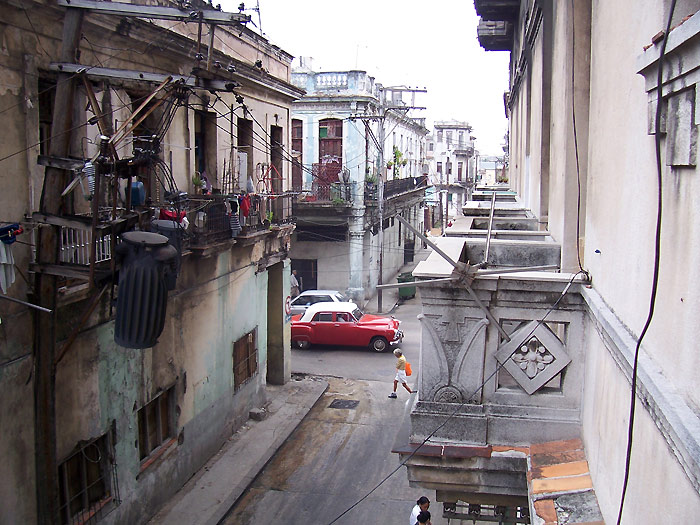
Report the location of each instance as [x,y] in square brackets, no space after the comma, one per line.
[307,273]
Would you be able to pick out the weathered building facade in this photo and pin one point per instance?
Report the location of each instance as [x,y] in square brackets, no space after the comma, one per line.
[194,128]
[338,128]
[453,166]
[560,355]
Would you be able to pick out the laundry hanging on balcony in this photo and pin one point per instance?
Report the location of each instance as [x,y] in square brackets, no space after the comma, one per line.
[8,235]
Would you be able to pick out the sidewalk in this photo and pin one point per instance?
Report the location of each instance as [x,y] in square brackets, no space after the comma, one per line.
[207,497]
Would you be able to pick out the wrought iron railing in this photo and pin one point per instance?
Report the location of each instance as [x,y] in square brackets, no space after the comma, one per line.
[75,246]
[336,192]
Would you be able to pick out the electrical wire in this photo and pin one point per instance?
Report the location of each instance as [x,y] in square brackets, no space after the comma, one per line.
[38,41]
[460,405]
[573,119]
[78,126]
[657,258]
[86,70]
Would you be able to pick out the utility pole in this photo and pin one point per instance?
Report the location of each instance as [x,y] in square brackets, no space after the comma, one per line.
[381,178]
[55,180]
[382,111]
[380,195]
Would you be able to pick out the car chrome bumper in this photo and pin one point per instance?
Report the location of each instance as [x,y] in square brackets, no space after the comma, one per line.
[398,338]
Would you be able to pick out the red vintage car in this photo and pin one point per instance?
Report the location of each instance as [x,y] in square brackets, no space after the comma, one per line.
[344,324]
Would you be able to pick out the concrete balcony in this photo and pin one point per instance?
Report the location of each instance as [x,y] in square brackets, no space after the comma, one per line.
[495,35]
[531,371]
[497,9]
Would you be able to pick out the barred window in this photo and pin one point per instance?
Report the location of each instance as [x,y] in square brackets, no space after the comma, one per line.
[245,359]
[155,424]
[85,482]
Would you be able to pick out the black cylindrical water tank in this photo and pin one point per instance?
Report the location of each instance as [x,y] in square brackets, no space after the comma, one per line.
[148,271]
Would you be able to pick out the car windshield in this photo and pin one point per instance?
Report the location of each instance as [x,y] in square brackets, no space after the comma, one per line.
[341,297]
[357,314]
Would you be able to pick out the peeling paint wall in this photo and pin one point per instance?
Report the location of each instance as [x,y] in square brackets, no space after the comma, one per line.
[100,387]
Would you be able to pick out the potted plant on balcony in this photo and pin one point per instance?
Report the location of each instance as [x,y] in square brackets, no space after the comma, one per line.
[397,162]
[197,182]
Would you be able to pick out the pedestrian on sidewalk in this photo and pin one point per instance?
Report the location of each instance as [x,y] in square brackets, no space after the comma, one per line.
[400,373]
[422,504]
[294,284]
[423,518]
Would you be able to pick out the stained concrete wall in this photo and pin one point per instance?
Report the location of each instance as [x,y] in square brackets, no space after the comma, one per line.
[619,253]
[99,385]
[618,204]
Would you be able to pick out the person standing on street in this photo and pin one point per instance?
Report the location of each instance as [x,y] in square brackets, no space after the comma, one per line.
[294,284]
[400,373]
[422,504]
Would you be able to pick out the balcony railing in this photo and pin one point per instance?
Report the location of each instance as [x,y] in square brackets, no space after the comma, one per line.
[76,246]
[399,186]
[212,218]
[336,192]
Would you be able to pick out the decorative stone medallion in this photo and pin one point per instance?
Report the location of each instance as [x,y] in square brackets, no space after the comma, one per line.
[448,394]
[533,356]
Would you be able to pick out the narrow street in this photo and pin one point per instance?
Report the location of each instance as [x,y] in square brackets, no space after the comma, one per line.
[337,455]
[334,458]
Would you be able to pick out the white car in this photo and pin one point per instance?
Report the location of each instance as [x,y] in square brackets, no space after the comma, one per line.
[308,297]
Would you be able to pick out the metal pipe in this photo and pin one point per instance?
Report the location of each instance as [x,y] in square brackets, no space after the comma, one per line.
[488,235]
[418,283]
[489,315]
[30,305]
[496,271]
[458,266]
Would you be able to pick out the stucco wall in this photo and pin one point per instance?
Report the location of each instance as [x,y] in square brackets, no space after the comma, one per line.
[619,253]
[621,150]
[99,385]
[659,490]
[99,382]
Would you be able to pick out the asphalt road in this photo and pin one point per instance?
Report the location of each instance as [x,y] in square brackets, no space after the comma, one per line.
[360,362]
[339,459]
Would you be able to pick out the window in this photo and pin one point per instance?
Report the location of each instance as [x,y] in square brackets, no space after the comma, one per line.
[323,317]
[448,135]
[245,359]
[85,482]
[449,168]
[330,138]
[47,94]
[431,146]
[439,167]
[459,170]
[343,317]
[297,153]
[245,145]
[205,148]
[155,424]
[439,136]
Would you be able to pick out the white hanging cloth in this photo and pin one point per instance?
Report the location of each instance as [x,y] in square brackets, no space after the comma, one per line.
[7,267]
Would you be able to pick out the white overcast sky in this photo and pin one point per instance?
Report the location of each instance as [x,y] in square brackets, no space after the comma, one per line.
[400,42]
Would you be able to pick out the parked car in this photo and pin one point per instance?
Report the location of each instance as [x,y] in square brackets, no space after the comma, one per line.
[308,297]
[341,323]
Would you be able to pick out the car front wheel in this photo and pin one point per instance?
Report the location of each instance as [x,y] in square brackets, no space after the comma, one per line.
[379,344]
[302,344]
